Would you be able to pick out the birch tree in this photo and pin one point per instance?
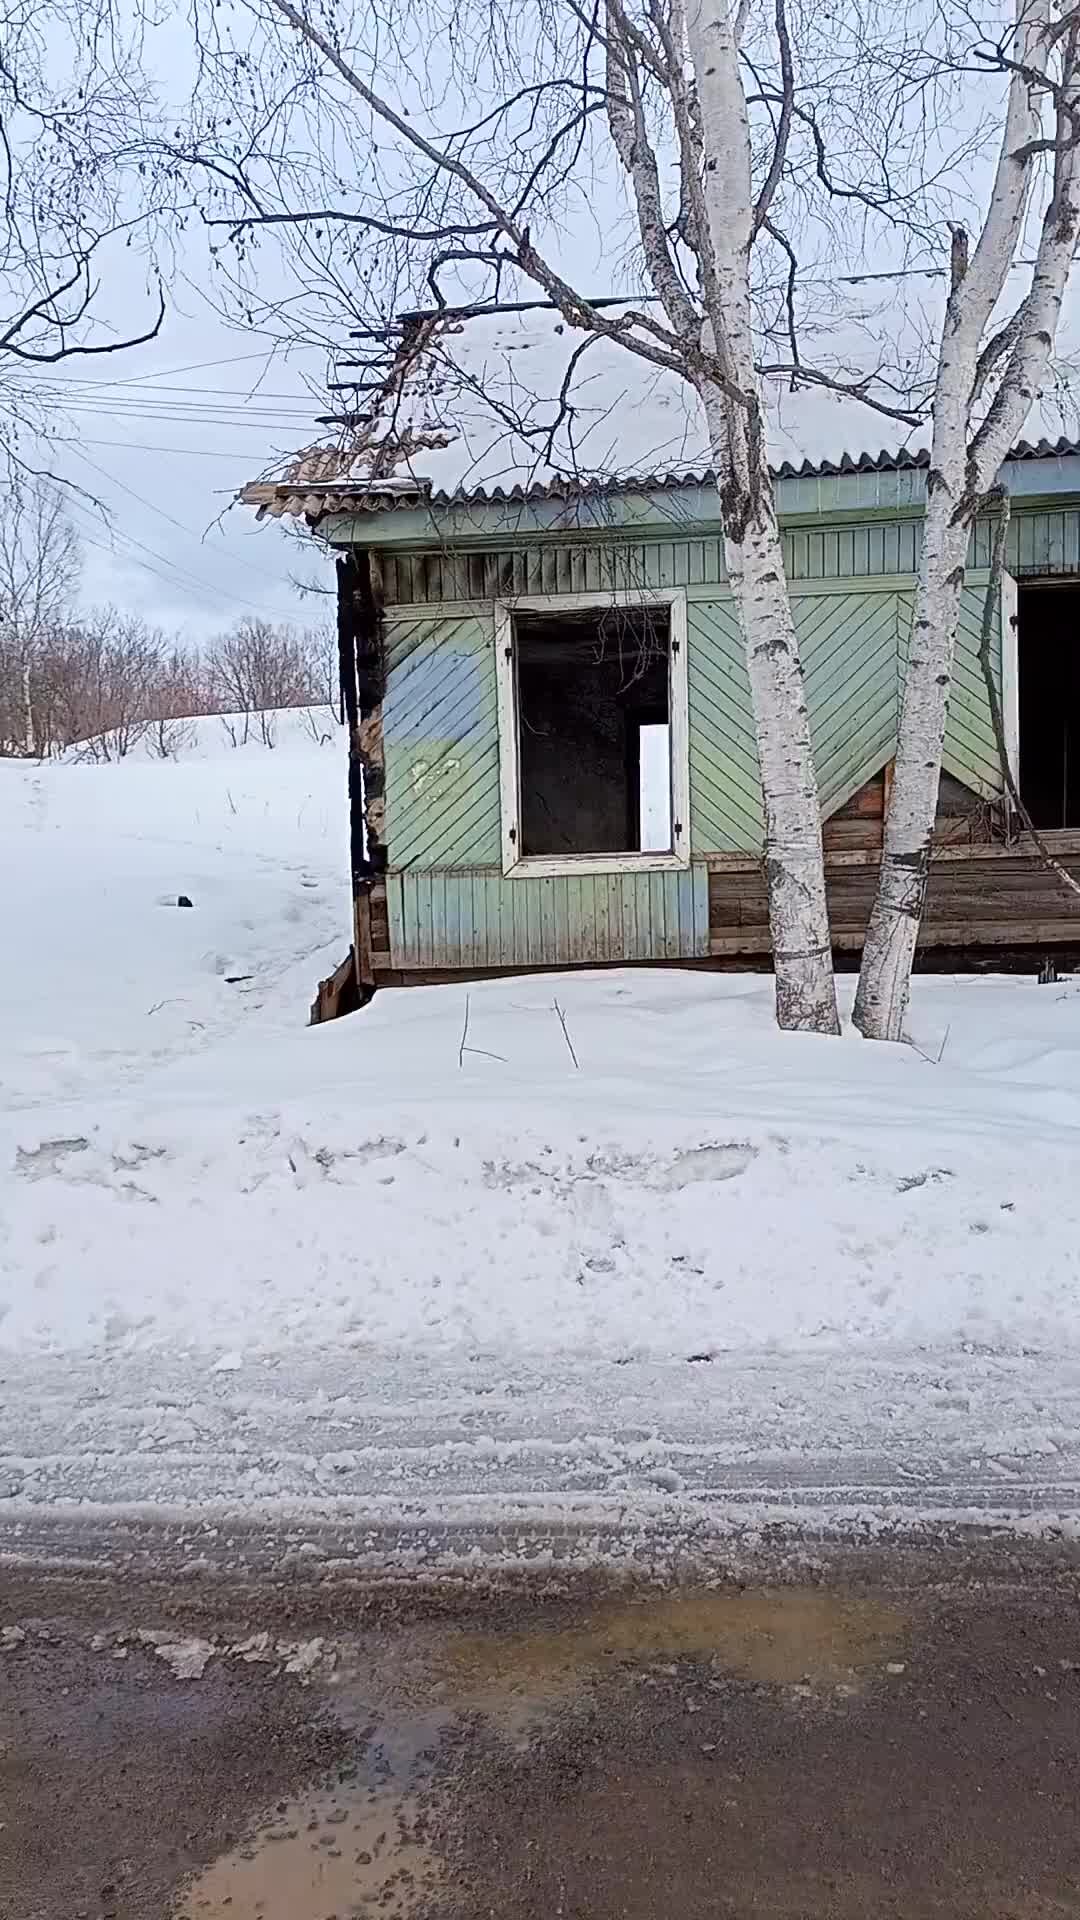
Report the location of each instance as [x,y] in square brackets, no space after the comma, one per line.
[336,137]
[990,367]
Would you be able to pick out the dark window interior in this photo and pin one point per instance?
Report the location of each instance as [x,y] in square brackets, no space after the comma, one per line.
[587,685]
[1049,667]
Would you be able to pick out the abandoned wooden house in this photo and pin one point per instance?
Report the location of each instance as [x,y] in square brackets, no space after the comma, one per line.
[552,758]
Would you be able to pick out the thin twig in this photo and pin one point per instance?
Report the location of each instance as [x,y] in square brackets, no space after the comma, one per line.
[997,718]
[464,1034]
[931,1059]
[566,1035]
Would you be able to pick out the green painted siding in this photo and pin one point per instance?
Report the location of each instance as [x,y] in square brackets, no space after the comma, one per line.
[1041,543]
[725,794]
[468,920]
[441,734]
[1044,543]
[970,748]
[440,738]
[852,591]
[848,643]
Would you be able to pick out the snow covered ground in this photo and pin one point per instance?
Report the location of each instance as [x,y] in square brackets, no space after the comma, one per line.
[670,1271]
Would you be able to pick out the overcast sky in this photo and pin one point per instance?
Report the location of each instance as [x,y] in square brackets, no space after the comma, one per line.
[161,437]
[164,435]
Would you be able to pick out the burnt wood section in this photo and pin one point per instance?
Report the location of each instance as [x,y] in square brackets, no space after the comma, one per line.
[337,994]
[361,664]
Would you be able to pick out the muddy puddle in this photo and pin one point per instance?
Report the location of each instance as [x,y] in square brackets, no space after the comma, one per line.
[335,1855]
[780,1636]
[364,1845]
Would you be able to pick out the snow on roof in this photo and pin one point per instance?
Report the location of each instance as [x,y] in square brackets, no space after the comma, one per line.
[485,421]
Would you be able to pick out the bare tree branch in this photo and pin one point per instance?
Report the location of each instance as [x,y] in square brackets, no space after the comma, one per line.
[783,131]
[316,216]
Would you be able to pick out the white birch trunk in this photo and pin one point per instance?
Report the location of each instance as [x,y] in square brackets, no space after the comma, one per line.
[960,473]
[889,952]
[794,863]
[28,709]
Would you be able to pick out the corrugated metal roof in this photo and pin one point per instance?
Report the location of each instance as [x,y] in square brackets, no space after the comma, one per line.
[312,499]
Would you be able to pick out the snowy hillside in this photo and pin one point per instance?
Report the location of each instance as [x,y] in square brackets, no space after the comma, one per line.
[692,1267]
[101,974]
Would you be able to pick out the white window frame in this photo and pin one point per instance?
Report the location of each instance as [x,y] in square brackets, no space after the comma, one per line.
[536,866]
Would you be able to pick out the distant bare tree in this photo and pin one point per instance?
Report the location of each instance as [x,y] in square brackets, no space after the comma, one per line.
[257,668]
[40,564]
[182,692]
[108,675]
[320,648]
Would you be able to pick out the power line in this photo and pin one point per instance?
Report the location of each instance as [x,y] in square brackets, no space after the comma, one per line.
[145,446]
[89,390]
[207,422]
[193,366]
[204,410]
[181,575]
[235,559]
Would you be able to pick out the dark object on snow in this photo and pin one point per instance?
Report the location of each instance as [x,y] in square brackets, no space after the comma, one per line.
[234,979]
[1048,973]
[182,900]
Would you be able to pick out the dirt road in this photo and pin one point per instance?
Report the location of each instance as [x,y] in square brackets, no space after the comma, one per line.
[885,1735]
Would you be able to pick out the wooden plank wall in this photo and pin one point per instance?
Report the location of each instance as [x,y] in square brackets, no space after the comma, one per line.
[440,733]
[440,724]
[468,920]
[978,897]
[1043,541]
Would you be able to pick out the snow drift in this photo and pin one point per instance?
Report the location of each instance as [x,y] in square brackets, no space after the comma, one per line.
[244,1261]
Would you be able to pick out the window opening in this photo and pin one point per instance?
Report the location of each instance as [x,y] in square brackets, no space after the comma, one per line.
[594,733]
[1048,650]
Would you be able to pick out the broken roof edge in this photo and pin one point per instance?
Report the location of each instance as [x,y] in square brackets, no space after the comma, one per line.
[316,500]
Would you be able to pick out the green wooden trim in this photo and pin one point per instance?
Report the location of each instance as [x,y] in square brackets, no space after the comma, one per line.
[814,498]
[475,917]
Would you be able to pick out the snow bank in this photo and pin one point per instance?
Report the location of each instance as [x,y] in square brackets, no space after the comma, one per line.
[241,1255]
[699,1184]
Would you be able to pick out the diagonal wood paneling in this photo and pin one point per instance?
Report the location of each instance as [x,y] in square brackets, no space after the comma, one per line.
[848,647]
[441,734]
[725,792]
[848,644]
[970,753]
[970,748]
[440,738]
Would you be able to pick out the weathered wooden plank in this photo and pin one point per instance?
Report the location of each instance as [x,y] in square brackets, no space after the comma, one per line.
[1042,541]
[479,920]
